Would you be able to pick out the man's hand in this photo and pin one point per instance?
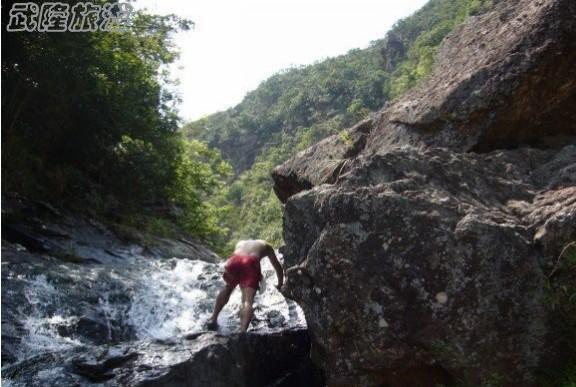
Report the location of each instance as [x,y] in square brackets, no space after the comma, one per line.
[276,264]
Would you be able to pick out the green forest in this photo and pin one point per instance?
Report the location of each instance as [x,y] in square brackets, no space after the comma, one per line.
[89,120]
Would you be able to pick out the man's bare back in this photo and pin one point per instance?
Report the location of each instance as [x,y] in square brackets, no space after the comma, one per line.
[254,247]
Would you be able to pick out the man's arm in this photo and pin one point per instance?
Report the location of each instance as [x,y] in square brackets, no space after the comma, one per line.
[277,266]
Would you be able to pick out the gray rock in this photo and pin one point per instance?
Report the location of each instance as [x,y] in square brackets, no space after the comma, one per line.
[501,79]
[181,248]
[321,163]
[207,359]
[424,263]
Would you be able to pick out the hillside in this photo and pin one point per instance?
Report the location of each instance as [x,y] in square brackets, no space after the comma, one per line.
[297,107]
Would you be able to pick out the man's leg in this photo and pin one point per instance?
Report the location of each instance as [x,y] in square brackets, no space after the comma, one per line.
[221,300]
[246,308]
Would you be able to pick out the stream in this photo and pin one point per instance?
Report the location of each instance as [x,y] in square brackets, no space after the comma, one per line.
[110,295]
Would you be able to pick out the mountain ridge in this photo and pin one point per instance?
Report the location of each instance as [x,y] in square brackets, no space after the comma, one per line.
[298,107]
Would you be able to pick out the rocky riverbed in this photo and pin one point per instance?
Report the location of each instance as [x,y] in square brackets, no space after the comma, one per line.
[81,305]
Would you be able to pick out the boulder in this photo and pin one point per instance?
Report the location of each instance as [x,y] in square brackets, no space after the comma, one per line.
[504,78]
[204,359]
[321,163]
[432,266]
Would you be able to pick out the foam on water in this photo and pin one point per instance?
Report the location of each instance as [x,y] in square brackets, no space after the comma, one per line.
[41,324]
[180,300]
[171,301]
[166,298]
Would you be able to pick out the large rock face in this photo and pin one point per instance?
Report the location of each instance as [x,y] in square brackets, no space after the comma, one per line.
[501,79]
[432,263]
[417,264]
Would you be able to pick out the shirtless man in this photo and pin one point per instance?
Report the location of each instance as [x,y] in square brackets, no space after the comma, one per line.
[243,268]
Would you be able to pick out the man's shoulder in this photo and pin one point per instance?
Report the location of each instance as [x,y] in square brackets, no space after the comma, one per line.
[255,246]
[258,242]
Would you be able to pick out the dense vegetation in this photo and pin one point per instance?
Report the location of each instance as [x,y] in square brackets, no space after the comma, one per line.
[297,107]
[88,118]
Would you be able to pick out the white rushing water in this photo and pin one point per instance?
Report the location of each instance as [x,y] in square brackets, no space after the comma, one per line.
[42,324]
[180,300]
[164,298]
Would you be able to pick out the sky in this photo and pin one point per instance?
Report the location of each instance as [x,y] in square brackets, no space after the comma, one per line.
[235,45]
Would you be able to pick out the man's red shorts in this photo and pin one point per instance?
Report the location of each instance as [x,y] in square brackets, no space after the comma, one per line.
[243,270]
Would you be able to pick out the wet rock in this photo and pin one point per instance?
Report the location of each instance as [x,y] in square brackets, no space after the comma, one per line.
[17,235]
[95,373]
[239,360]
[103,370]
[253,359]
[307,374]
[181,248]
[274,319]
[29,368]
[98,329]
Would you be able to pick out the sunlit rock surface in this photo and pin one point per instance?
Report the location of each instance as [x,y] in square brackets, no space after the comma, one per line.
[503,79]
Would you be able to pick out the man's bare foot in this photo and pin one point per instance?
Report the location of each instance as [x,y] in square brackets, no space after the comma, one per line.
[211,325]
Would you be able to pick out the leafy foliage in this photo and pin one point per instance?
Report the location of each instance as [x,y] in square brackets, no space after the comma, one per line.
[89,118]
[349,85]
[423,32]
